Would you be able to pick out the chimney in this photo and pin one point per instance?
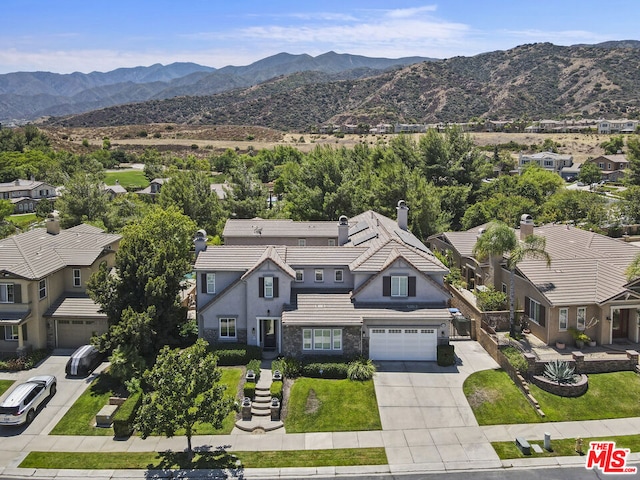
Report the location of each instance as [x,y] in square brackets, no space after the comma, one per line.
[526,226]
[403,214]
[200,242]
[53,225]
[343,230]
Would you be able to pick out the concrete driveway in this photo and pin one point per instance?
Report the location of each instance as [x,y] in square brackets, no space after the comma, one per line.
[68,391]
[423,409]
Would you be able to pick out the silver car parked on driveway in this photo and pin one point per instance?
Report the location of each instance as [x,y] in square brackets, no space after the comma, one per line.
[22,404]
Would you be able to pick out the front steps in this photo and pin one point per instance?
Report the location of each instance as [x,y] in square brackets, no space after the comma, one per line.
[261,408]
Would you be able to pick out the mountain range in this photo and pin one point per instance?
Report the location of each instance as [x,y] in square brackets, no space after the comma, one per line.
[29,95]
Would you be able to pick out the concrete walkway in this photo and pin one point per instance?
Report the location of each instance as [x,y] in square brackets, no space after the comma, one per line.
[427,427]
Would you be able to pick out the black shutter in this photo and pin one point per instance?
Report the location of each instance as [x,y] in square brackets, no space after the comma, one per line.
[17,293]
[386,286]
[526,306]
[203,277]
[24,332]
[261,287]
[275,287]
[412,286]
[543,311]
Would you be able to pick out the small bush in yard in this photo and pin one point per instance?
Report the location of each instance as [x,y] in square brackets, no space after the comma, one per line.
[276,390]
[255,366]
[125,416]
[24,363]
[516,359]
[236,354]
[361,369]
[249,390]
[325,370]
[289,367]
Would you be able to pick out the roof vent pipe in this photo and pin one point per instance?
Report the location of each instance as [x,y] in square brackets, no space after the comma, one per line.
[343,230]
[403,215]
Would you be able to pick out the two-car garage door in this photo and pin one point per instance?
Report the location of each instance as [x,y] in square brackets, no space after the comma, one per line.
[403,343]
[73,333]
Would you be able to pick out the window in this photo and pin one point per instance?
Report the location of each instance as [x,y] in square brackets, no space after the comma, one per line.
[332,242]
[319,275]
[322,339]
[534,310]
[268,287]
[302,242]
[227,328]
[563,319]
[338,275]
[582,315]
[11,333]
[608,166]
[548,163]
[299,275]
[399,286]
[77,279]
[42,288]
[6,293]
[601,165]
[211,282]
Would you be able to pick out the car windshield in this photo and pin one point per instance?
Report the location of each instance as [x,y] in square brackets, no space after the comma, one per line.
[8,410]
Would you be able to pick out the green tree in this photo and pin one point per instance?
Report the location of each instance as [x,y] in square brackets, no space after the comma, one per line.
[633,270]
[630,204]
[632,176]
[186,390]
[590,173]
[191,192]
[613,145]
[6,227]
[500,239]
[83,200]
[151,261]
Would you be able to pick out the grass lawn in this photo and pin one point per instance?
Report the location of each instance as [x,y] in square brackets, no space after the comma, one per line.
[79,420]
[563,447]
[23,220]
[129,179]
[208,460]
[496,400]
[4,385]
[321,405]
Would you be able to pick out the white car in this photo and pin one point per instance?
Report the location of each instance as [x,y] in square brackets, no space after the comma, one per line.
[22,404]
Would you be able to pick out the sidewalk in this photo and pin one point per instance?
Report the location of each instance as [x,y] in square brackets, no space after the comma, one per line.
[436,434]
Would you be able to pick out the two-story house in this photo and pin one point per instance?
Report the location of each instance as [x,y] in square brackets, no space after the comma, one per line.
[585,286]
[617,126]
[612,166]
[25,194]
[43,278]
[365,286]
[554,162]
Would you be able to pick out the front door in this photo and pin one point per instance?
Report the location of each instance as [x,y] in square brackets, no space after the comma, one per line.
[620,324]
[268,337]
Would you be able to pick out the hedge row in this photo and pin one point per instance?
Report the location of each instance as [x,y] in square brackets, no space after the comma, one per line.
[236,354]
[276,390]
[125,416]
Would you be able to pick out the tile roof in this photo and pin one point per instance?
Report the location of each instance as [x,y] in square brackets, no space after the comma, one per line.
[75,307]
[36,253]
[258,227]
[237,258]
[21,185]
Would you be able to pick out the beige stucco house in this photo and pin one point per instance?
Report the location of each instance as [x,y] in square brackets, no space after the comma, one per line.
[43,279]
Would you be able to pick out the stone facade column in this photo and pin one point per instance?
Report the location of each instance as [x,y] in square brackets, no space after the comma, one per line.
[578,357]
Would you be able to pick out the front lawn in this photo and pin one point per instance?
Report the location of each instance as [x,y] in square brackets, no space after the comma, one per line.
[322,405]
[23,220]
[206,460]
[129,179]
[563,447]
[4,385]
[80,419]
[496,400]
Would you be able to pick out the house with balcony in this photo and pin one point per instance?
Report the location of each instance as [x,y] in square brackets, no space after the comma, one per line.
[361,286]
[43,279]
[584,288]
[25,194]
[554,162]
[617,126]
[612,166]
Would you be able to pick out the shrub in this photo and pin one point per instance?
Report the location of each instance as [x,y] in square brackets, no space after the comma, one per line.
[445,355]
[515,358]
[236,354]
[560,371]
[289,367]
[276,390]
[361,369]
[255,366]
[124,418]
[24,363]
[490,300]
[249,390]
[325,370]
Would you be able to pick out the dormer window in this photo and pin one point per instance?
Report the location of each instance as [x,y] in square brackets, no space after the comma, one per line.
[268,287]
[399,286]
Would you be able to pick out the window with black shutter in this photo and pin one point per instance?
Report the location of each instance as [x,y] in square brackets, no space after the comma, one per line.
[412,286]
[386,286]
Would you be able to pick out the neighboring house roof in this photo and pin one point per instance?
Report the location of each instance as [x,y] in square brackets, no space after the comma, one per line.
[546,155]
[36,253]
[21,184]
[258,227]
[462,242]
[338,309]
[117,189]
[618,158]
[377,259]
[271,254]
[302,256]
[231,257]
[75,307]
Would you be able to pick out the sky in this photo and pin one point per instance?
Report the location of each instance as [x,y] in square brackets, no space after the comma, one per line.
[65,36]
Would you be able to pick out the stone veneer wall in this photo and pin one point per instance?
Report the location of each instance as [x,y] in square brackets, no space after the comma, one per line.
[211,336]
[587,365]
[564,389]
[351,342]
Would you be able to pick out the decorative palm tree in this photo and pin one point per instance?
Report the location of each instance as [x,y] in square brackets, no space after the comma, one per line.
[499,240]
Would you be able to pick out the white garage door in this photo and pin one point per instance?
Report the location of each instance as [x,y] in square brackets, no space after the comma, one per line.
[403,343]
[73,333]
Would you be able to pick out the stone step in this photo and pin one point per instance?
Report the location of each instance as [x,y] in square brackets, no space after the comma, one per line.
[261,413]
[259,423]
[261,406]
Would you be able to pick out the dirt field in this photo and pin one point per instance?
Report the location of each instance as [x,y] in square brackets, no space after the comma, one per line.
[215,139]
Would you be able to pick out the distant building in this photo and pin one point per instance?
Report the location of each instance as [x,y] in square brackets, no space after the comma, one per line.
[553,162]
[25,194]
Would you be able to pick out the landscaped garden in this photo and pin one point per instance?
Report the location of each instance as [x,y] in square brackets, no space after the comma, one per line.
[495,399]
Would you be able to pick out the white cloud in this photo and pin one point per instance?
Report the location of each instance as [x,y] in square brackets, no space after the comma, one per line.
[563,37]
[411,12]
